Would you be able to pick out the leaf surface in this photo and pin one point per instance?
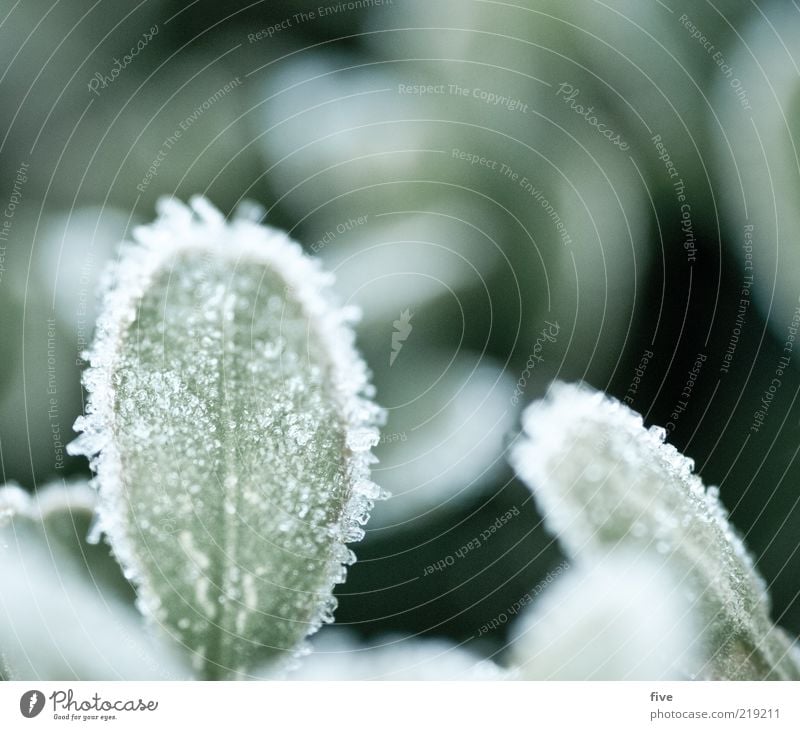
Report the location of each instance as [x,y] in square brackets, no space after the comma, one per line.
[230,434]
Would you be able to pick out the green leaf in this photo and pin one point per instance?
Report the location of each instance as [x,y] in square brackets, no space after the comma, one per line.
[605,482]
[229,430]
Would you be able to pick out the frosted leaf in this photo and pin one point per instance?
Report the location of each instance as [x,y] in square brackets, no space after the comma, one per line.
[224,392]
[343,657]
[603,480]
[55,624]
[602,622]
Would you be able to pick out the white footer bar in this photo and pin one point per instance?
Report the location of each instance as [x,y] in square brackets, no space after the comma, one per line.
[400,705]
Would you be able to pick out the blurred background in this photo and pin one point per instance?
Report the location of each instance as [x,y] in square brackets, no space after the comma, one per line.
[512,192]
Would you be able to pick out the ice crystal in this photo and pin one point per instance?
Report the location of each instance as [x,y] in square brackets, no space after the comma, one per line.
[230,430]
[603,481]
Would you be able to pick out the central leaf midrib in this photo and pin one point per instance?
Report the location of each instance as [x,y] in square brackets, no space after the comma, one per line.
[215,661]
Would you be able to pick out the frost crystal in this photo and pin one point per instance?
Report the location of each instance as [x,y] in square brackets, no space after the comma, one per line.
[603,482]
[229,428]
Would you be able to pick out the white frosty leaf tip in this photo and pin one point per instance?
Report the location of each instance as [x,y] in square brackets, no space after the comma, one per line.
[230,430]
